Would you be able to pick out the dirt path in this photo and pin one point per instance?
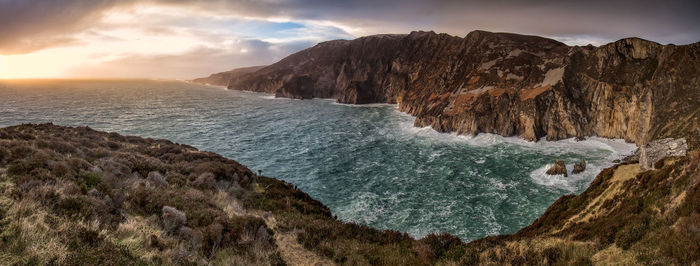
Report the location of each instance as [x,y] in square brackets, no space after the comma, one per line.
[292,252]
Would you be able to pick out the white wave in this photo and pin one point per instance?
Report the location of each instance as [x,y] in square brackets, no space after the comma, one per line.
[573,182]
[363,208]
[618,148]
[211,86]
[370,105]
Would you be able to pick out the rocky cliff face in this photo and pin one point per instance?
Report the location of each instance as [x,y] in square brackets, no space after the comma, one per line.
[503,83]
[222,78]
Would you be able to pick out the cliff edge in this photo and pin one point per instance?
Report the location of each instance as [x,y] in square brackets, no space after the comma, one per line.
[503,83]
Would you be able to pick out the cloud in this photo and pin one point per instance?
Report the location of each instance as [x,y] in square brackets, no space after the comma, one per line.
[190,64]
[126,37]
[29,25]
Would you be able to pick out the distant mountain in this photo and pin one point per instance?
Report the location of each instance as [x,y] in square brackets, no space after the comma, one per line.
[503,83]
[222,78]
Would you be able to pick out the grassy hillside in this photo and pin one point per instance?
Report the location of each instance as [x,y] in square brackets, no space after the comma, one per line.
[78,196]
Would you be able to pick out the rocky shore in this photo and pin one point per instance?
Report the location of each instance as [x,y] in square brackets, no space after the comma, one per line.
[503,83]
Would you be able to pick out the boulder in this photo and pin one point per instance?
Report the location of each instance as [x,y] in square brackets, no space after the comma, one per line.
[173,219]
[579,167]
[157,179]
[559,168]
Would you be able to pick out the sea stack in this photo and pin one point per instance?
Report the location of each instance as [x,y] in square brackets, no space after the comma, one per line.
[579,167]
[559,168]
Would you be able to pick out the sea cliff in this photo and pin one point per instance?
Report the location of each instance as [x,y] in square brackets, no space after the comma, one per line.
[503,83]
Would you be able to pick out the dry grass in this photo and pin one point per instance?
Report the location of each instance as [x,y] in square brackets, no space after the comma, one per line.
[78,196]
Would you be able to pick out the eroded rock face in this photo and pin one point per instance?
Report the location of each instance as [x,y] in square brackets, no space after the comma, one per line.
[559,168]
[579,167]
[659,149]
[502,83]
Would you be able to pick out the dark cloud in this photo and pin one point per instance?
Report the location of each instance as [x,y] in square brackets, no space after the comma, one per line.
[28,25]
[662,21]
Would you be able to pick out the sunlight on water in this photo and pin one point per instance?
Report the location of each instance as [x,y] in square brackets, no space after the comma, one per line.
[369,164]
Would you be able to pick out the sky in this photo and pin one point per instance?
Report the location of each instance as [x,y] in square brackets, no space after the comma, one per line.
[184,39]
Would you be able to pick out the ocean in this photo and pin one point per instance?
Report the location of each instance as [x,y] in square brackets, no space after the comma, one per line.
[367,163]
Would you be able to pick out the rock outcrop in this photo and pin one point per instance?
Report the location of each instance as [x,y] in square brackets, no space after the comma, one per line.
[659,149]
[222,78]
[559,168]
[502,83]
[579,167]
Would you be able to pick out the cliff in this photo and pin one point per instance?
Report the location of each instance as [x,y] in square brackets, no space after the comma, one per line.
[76,196]
[503,83]
[222,78]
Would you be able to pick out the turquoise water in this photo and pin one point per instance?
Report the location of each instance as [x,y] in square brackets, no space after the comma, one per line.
[368,164]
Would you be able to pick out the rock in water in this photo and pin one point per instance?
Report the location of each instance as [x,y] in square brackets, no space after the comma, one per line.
[559,168]
[579,167]
[173,219]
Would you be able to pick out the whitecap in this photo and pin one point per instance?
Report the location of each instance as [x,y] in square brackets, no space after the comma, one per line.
[571,183]
[370,105]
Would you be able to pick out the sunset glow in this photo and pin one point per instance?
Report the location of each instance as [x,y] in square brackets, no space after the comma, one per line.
[187,39]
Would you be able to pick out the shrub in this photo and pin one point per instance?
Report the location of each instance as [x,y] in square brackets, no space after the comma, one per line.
[57,146]
[17,167]
[146,201]
[78,164]
[144,165]
[276,259]
[90,179]
[75,206]
[60,169]
[157,179]
[112,145]
[173,219]
[89,248]
[442,243]
[173,177]
[20,151]
[39,159]
[552,254]
[204,181]
[682,243]
[4,154]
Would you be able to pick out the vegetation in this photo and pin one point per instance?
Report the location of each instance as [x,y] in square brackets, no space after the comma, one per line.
[78,196]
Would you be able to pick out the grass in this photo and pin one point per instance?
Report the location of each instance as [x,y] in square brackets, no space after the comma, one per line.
[79,196]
